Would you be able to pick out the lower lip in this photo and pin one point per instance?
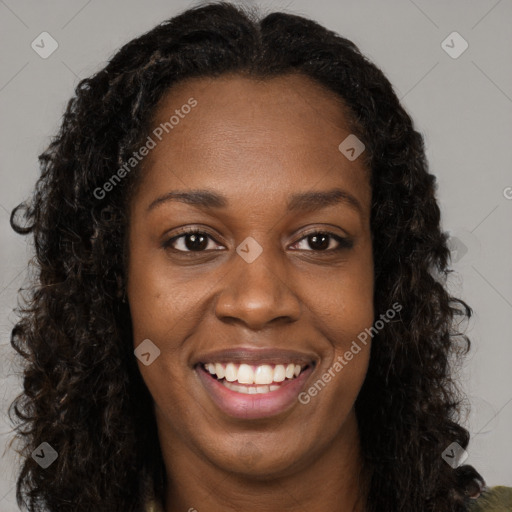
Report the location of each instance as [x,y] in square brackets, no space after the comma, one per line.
[260,405]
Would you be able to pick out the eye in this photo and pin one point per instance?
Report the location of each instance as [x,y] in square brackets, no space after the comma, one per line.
[193,240]
[321,241]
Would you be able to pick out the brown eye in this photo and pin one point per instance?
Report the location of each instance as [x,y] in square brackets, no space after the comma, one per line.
[197,241]
[189,241]
[321,241]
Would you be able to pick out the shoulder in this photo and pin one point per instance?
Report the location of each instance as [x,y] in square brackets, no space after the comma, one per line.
[495,499]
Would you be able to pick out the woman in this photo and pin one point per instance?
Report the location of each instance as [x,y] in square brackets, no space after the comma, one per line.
[241,301]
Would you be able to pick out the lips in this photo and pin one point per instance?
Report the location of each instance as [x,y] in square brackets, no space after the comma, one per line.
[256,356]
[254,383]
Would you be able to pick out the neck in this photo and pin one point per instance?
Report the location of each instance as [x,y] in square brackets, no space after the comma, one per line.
[332,480]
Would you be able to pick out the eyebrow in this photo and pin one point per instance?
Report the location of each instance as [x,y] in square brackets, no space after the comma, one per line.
[303,201]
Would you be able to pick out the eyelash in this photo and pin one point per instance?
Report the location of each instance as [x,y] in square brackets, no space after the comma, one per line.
[344,243]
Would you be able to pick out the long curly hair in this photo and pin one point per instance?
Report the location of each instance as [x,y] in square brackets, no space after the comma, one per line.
[83,393]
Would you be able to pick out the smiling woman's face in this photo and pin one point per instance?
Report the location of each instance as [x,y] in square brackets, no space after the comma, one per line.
[254,286]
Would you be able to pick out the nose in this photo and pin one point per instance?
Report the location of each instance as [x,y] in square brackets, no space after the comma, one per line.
[258,293]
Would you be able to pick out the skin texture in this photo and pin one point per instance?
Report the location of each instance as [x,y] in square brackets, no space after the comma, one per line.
[256,143]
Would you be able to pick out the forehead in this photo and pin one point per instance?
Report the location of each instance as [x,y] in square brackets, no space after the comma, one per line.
[257,136]
[245,108]
[282,92]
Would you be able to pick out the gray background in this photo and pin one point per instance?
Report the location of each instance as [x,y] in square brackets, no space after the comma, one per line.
[463,107]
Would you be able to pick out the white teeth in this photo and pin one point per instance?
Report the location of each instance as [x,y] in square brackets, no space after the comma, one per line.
[219,370]
[249,390]
[245,374]
[231,372]
[279,373]
[290,369]
[261,375]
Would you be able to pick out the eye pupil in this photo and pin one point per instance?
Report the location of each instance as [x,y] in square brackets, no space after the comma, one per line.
[198,242]
[314,241]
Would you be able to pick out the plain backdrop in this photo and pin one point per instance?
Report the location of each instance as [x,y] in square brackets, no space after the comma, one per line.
[462,104]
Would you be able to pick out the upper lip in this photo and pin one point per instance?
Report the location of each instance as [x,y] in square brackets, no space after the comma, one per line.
[256,356]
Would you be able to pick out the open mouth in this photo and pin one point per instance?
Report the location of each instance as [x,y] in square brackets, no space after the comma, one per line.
[254,379]
[248,391]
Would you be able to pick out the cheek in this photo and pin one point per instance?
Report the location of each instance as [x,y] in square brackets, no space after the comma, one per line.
[162,310]
[160,298]
[342,300]
[345,316]
[343,311]
[166,307]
